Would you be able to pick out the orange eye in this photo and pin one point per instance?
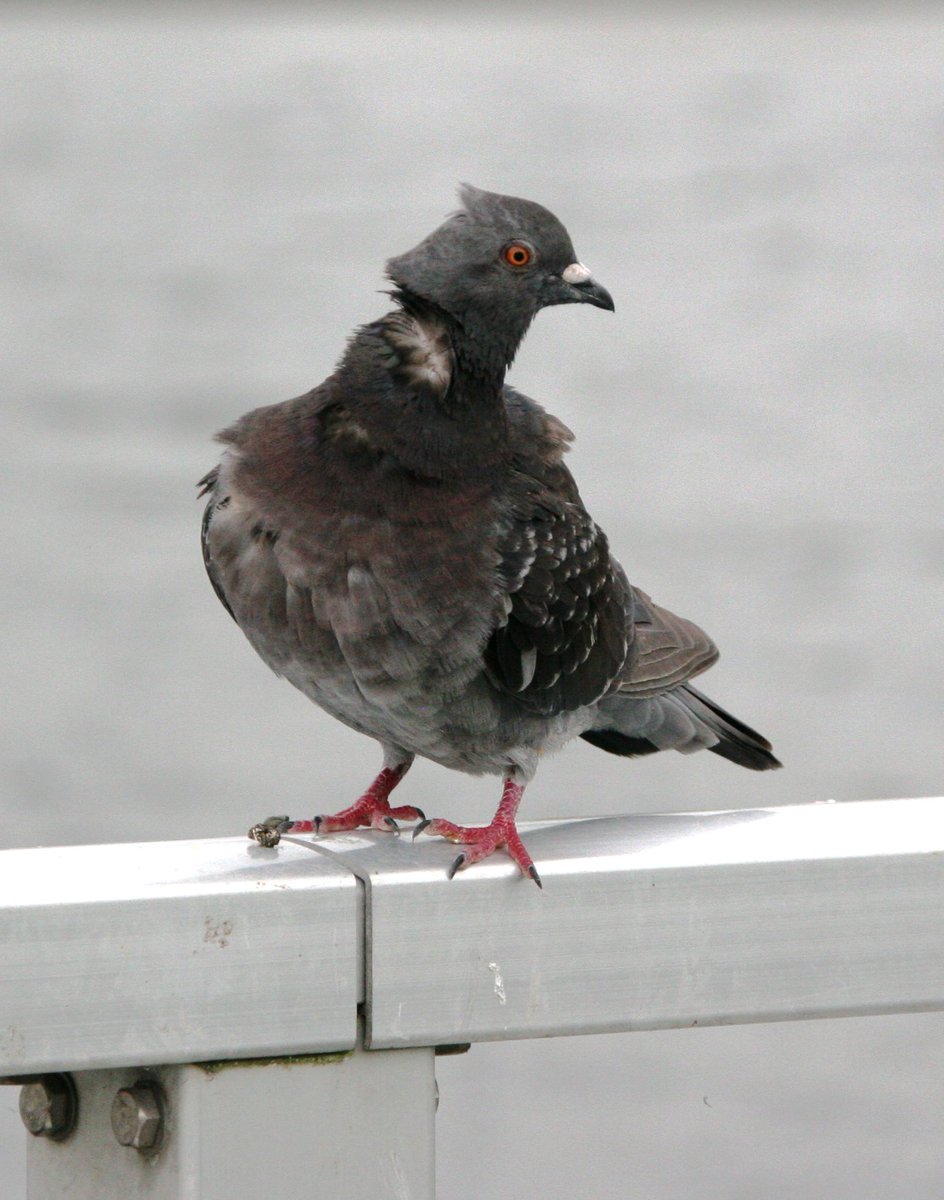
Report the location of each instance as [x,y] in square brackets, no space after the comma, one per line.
[517,254]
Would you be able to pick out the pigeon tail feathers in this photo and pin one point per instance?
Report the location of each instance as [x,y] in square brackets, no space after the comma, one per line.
[681,719]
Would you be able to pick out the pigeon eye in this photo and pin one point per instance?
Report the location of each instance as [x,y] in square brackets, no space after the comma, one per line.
[517,254]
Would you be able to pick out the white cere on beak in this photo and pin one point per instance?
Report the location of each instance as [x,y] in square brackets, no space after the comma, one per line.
[575,273]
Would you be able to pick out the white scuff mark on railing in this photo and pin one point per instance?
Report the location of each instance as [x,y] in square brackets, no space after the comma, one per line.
[499,982]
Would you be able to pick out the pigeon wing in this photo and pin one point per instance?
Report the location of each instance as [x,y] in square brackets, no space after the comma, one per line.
[668,649]
[566,638]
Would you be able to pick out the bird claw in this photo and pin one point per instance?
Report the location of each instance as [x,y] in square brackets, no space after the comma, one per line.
[482,841]
[459,862]
[370,814]
[418,829]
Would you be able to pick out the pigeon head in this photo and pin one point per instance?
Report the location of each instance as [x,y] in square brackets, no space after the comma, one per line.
[492,266]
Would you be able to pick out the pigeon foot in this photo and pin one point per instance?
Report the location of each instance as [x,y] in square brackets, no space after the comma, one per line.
[371,810]
[483,840]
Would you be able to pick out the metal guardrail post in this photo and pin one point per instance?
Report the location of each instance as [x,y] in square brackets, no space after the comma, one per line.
[346,1126]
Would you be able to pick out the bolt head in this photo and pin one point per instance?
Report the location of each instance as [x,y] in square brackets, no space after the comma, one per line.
[136,1116]
[47,1106]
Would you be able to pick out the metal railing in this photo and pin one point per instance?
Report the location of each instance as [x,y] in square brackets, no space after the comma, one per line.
[213,1019]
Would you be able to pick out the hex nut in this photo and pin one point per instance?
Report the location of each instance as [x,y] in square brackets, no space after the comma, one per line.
[49,1106]
[137,1116]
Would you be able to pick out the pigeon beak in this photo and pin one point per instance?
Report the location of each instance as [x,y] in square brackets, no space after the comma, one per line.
[584,289]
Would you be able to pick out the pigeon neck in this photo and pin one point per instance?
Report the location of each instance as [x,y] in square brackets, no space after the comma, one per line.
[480,361]
[483,351]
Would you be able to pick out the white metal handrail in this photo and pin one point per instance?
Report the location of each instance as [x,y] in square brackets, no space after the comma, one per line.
[118,960]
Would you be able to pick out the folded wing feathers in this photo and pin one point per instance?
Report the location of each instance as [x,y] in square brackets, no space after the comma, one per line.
[669,649]
[565,639]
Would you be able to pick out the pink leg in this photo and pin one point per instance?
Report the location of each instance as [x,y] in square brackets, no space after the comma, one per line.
[483,841]
[372,809]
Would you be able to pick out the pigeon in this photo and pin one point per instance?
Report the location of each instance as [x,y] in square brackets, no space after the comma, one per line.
[405,544]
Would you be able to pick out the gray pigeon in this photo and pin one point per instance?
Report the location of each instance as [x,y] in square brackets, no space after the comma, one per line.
[406,546]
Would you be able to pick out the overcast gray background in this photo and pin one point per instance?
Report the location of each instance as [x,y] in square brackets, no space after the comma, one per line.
[195,212]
